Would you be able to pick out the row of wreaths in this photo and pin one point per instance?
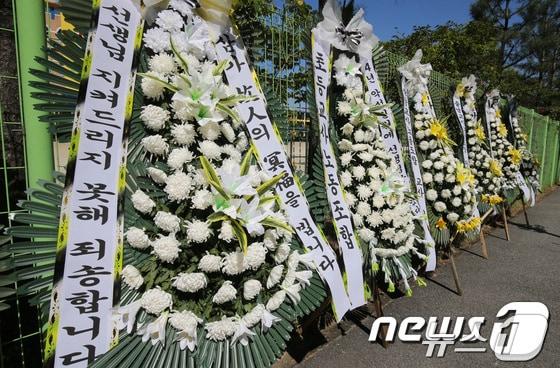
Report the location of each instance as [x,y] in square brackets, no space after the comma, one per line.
[190,285]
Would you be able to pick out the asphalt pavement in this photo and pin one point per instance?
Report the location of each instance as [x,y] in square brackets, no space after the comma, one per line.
[523,269]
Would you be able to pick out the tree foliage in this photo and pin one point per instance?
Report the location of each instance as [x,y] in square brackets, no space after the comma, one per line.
[511,45]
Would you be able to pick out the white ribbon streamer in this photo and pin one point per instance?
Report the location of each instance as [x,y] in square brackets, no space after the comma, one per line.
[82,304]
[419,208]
[342,217]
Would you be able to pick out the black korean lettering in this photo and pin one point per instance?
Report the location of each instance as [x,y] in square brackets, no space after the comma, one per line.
[103,158]
[293,199]
[94,329]
[115,52]
[327,263]
[112,96]
[274,162]
[87,301]
[77,357]
[96,191]
[89,247]
[100,136]
[86,213]
[110,77]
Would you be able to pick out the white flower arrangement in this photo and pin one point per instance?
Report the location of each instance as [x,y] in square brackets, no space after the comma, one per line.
[374,190]
[437,158]
[507,155]
[489,177]
[529,164]
[210,219]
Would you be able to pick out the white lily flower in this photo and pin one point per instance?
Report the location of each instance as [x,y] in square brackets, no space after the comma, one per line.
[236,184]
[252,214]
[154,331]
[242,333]
[127,315]
[267,319]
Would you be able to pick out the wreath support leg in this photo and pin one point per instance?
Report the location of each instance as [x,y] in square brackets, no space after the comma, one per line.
[506,227]
[525,211]
[455,273]
[382,335]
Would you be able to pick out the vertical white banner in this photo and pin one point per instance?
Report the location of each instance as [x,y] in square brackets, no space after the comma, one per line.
[419,209]
[90,230]
[342,217]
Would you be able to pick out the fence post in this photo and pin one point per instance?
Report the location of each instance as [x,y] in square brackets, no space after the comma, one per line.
[31,39]
[543,159]
[530,136]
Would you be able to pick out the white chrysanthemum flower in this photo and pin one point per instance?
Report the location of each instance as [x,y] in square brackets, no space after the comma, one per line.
[366,234]
[446,193]
[210,149]
[210,131]
[154,117]
[202,199]
[345,158]
[440,206]
[227,131]
[364,192]
[156,39]
[346,179]
[452,217]
[157,175]
[255,256]
[347,129]
[233,263]
[438,178]
[358,220]
[276,300]
[167,221]
[210,263]
[162,63]
[183,134]
[137,238]
[178,157]
[166,248]
[456,202]
[221,330]
[155,301]
[427,178]
[226,232]
[424,145]
[178,186]
[431,195]
[198,231]
[388,234]
[190,282]
[155,144]
[186,323]
[275,276]
[142,202]
[359,172]
[251,288]
[282,253]
[344,108]
[378,201]
[363,209]
[374,219]
[152,87]
[225,293]
[170,20]
[457,190]
[427,164]
[254,316]
[132,277]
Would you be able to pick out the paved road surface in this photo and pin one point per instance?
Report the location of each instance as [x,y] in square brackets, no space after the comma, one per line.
[523,269]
